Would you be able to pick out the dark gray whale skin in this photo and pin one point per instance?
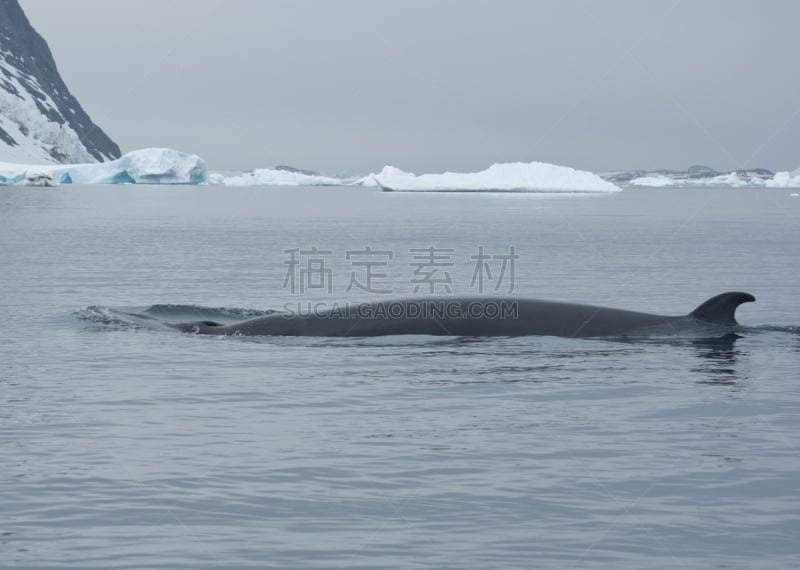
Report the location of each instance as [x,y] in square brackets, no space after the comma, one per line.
[482,317]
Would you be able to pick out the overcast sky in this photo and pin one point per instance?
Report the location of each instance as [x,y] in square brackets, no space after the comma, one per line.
[438,85]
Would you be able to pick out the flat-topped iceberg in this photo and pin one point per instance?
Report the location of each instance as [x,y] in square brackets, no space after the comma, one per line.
[507,177]
[146,166]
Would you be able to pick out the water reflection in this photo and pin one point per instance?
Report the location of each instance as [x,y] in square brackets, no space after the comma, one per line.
[718,360]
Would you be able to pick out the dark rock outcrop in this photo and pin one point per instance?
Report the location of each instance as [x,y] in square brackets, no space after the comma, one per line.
[28,72]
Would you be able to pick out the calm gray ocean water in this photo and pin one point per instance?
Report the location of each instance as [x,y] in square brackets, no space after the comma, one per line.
[128,445]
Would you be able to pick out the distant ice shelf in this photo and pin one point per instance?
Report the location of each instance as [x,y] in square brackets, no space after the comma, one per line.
[146,166]
[733,179]
[505,177]
[705,176]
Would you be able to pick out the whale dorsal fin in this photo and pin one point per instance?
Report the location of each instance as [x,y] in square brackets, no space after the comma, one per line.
[722,308]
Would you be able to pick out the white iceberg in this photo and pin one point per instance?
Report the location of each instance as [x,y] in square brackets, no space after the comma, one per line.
[506,177]
[275,177]
[785,180]
[146,166]
[657,181]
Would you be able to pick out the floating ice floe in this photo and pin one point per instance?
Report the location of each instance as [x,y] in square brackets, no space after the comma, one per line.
[507,177]
[146,166]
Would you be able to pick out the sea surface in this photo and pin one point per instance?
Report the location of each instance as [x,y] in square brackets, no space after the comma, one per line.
[127,444]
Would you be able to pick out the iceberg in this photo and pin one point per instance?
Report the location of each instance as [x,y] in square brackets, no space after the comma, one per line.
[283,176]
[146,166]
[505,177]
[509,177]
[785,180]
[658,181]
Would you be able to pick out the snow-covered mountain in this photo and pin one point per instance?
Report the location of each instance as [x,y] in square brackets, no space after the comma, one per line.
[40,120]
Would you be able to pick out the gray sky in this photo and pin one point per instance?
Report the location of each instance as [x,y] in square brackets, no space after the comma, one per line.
[438,84]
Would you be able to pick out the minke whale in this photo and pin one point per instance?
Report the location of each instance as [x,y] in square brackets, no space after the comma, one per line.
[482,317]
